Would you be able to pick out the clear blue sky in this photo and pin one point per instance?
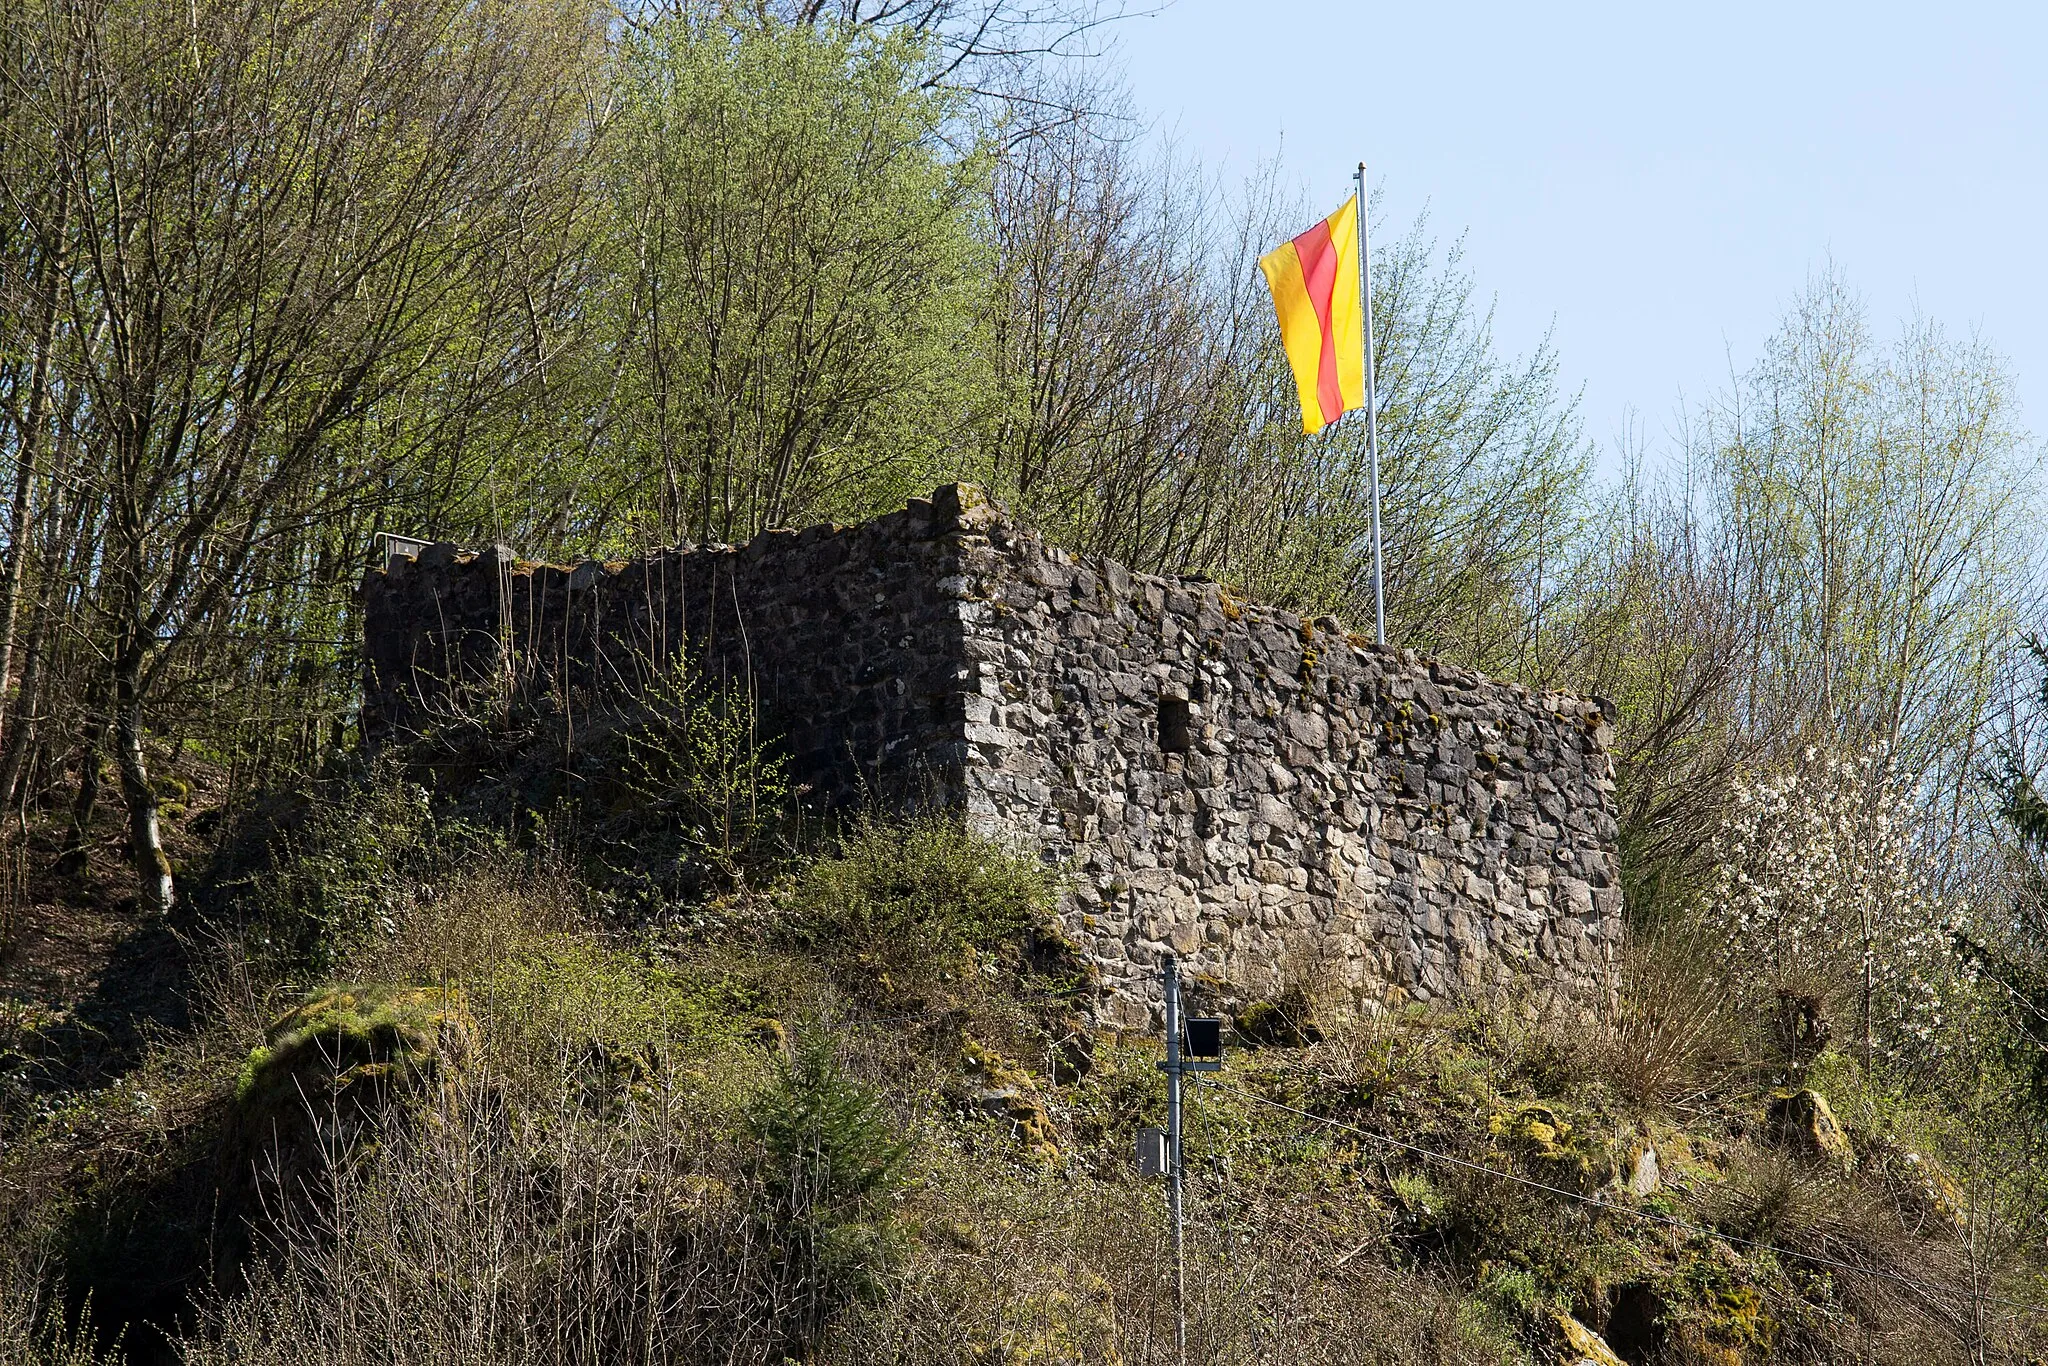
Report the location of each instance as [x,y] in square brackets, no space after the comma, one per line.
[1653,181]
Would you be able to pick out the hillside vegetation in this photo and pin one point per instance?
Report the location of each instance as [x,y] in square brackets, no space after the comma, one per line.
[524,1042]
[441,1095]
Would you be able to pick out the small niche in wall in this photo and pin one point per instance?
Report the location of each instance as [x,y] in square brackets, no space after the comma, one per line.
[1175,728]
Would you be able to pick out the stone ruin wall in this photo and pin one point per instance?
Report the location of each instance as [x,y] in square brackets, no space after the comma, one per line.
[1265,796]
[1269,797]
[847,638]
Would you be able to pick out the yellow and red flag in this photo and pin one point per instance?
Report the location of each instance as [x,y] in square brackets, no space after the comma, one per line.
[1314,279]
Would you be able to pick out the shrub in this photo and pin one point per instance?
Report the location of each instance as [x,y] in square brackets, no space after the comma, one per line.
[911,897]
[539,1233]
[1288,1022]
[466,923]
[1823,900]
[832,1159]
[697,759]
[32,1330]
[1670,1036]
[355,865]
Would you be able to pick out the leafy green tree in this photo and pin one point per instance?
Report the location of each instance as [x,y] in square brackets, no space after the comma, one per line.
[2014,953]
[1483,475]
[787,278]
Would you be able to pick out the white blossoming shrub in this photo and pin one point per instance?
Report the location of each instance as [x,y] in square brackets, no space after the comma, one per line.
[1821,893]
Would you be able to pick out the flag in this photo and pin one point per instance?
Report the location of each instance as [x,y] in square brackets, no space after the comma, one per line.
[1314,280]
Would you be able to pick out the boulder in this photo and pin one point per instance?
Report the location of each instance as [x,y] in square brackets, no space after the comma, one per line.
[614,1077]
[1644,1173]
[1028,1121]
[1006,1094]
[1577,1345]
[1557,1151]
[353,1041]
[1285,1023]
[329,1075]
[1923,1191]
[770,1034]
[1802,1122]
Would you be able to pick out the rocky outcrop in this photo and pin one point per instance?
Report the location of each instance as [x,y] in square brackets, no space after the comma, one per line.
[1643,1171]
[328,1077]
[1006,1092]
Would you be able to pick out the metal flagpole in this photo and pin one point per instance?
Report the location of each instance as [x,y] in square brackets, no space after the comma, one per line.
[1173,1071]
[1372,412]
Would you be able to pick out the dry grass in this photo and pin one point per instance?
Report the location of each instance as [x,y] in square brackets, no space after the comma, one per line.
[1893,1295]
[1670,1039]
[551,1236]
[589,1184]
[1034,1266]
[639,1231]
[483,918]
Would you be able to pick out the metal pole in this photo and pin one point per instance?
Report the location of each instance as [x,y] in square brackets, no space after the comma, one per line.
[1173,1068]
[1372,412]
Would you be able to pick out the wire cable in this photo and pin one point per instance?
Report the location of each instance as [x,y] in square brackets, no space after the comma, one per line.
[1935,1292]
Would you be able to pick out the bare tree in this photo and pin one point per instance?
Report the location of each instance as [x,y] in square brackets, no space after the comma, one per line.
[272,213]
[1151,416]
[1841,555]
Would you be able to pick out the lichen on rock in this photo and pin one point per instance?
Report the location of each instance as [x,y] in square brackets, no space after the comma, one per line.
[1803,1122]
[1578,1345]
[1006,1092]
[1562,1154]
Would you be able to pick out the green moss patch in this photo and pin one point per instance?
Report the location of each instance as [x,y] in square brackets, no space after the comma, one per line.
[341,1038]
[1558,1151]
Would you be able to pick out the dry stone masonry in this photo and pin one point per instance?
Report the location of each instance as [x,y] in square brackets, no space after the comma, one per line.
[1269,797]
